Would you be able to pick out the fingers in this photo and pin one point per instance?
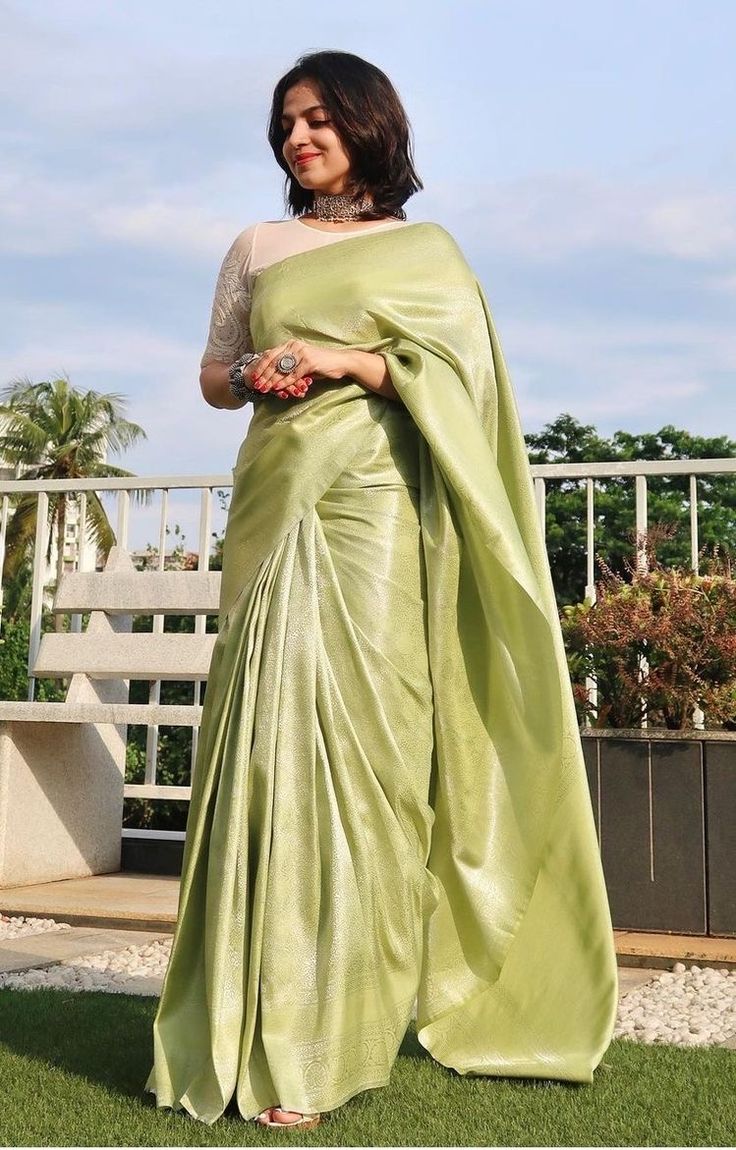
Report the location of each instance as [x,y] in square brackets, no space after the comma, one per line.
[269,372]
[295,390]
[266,377]
[255,368]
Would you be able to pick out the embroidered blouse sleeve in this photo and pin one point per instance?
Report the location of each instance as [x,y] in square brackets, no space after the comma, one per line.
[229,334]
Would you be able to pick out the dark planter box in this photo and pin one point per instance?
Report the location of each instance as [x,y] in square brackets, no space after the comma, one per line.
[152,856]
[665,807]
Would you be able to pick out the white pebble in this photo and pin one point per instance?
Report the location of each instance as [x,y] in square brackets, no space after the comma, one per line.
[685,1006]
[690,1007]
[110,970]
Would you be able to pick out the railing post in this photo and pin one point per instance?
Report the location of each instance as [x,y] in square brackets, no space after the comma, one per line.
[200,622]
[591,683]
[694,545]
[121,535]
[75,623]
[698,715]
[39,562]
[642,563]
[540,495]
[157,626]
[589,540]
[3,534]
[642,527]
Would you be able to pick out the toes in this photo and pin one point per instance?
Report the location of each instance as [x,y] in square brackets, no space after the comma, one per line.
[285,1116]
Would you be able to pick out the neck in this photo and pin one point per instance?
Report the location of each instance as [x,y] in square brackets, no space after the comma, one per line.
[340,207]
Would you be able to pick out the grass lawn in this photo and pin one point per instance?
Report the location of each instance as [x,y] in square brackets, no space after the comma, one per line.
[72,1069]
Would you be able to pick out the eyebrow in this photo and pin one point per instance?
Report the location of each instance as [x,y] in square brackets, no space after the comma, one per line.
[314,108]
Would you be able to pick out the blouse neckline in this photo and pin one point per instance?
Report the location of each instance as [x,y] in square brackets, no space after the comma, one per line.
[350,231]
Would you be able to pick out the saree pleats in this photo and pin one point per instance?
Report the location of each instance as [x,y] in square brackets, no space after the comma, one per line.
[304,893]
[389,802]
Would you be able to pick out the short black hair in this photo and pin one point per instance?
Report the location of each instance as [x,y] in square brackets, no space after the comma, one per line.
[371,122]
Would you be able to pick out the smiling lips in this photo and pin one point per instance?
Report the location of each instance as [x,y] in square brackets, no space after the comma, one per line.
[305,158]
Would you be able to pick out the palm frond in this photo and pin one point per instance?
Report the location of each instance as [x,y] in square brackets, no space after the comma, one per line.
[98,524]
[20,535]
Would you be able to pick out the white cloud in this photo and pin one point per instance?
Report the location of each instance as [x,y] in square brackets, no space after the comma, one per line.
[76,74]
[552,216]
[158,375]
[158,224]
[655,372]
[44,217]
[54,337]
[699,226]
[725,284]
[150,146]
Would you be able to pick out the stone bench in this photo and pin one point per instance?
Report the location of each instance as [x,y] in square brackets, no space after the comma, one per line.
[62,764]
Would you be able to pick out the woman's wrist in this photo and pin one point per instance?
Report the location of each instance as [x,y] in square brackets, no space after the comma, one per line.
[369,369]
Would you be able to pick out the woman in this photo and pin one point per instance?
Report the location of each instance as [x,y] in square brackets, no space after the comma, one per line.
[390,806]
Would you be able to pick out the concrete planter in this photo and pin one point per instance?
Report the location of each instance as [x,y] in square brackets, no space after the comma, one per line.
[665,809]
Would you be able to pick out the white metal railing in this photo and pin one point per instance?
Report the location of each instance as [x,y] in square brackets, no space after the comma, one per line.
[129,494]
[123,490]
[638,470]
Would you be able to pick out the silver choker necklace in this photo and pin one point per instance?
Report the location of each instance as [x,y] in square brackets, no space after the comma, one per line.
[339,209]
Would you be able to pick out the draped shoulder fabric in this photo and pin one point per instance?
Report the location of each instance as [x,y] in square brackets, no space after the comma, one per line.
[390,807]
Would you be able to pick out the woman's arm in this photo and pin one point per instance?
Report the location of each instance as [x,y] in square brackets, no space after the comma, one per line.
[214,380]
[370,369]
[215,384]
[366,367]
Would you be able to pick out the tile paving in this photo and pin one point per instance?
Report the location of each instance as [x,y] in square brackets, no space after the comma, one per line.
[111,912]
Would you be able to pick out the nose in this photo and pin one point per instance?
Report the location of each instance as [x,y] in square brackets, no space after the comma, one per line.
[298,136]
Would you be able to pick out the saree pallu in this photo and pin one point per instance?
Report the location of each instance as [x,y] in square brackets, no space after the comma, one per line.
[389,805]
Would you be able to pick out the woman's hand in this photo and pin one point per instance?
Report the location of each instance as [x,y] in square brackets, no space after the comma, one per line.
[311,361]
[296,388]
[365,367]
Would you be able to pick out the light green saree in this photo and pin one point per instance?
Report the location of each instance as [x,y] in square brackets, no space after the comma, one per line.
[390,803]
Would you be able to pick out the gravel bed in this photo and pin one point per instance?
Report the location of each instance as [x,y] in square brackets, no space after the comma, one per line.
[133,968]
[686,1006]
[18,927]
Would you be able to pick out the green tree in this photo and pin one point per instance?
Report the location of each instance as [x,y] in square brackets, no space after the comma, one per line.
[565,440]
[51,430]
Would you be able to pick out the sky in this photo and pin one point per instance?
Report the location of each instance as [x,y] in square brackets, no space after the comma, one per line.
[582,154]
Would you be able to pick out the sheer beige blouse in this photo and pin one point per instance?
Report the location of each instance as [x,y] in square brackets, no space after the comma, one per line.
[256,248]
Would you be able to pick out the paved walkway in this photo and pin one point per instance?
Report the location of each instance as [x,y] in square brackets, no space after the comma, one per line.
[125,900]
[109,912]
[36,951]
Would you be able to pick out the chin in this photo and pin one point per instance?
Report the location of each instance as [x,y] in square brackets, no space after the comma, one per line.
[304,181]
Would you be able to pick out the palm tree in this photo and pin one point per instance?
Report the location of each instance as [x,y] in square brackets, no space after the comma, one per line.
[50,430]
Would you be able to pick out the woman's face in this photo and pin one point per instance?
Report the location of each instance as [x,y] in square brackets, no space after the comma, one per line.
[312,148]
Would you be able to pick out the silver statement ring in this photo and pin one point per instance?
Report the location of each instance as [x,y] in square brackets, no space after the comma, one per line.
[286,364]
